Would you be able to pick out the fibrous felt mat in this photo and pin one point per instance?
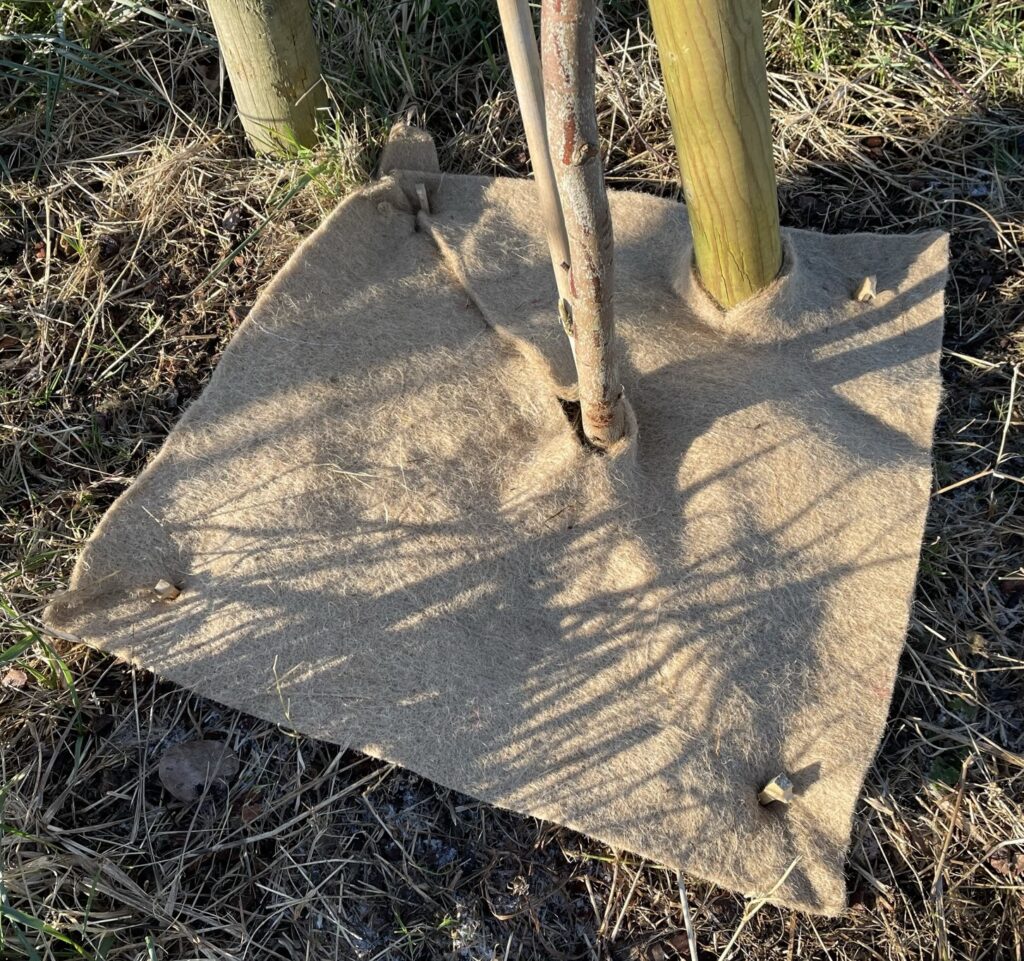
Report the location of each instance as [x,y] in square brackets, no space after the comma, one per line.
[387,533]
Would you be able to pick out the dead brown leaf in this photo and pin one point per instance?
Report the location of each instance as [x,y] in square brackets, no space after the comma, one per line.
[15,677]
[1007,862]
[187,770]
[251,810]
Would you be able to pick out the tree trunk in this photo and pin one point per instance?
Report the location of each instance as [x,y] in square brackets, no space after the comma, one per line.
[271,58]
[712,58]
[521,41]
[567,43]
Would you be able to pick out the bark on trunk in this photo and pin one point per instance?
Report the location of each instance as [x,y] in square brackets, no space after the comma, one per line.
[567,44]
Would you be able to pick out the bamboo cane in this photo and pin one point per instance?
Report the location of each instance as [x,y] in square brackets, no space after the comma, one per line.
[271,58]
[567,45]
[524,58]
[712,58]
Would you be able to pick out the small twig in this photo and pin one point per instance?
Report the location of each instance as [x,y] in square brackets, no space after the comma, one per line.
[691,937]
[961,483]
[1009,414]
[755,905]
[937,882]
[625,905]
[979,742]
[603,926]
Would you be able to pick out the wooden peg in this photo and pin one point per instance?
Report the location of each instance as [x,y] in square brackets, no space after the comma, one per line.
[421,193]
[165,590]
[867,290]
[779,788]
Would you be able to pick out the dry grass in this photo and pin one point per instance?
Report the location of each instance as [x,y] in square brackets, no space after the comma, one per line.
[135,232]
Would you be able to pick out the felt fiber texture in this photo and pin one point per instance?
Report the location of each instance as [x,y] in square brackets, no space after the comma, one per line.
[387,533]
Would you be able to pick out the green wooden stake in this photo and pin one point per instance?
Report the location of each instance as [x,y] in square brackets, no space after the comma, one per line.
[712,58]
[271,58]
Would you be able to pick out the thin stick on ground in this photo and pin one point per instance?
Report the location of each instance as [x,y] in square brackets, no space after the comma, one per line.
[567,45]
[691,936]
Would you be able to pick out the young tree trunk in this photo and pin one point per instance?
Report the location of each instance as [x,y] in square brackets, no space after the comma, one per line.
[521,41]
[712,58]
[271,58]
[567,45]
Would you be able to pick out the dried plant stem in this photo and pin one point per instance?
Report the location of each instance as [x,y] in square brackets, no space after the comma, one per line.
[567,43]
[524,58]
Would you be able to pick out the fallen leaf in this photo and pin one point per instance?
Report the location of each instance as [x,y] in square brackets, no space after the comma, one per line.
[15,677]
[1007,863]
[675,946]
[188,769]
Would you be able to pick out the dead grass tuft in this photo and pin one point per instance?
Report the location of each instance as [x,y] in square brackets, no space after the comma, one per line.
[136,230]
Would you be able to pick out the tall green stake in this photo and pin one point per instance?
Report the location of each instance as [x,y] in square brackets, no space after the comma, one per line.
[271,57]
[712,58]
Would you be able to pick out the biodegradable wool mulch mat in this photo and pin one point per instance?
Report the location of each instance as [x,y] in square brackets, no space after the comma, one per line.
[387,533]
